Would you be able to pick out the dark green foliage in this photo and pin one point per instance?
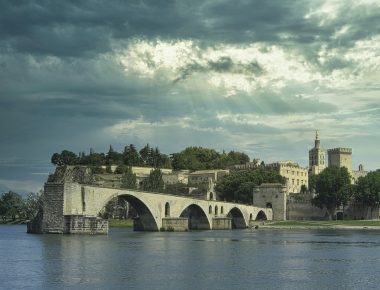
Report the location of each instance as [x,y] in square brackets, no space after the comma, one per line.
[65,158]
[148,156]
[108,169]
[11,205]
[97,170]
[238,186]
[333,188]
[313,182]
[121,169]
[113,157]
[177,188]
[367,190]
[130,156]
[198,158]
[94,159]
[154,181]
[128,180]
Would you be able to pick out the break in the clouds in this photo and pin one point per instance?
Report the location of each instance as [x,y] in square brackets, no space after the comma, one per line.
[256,76]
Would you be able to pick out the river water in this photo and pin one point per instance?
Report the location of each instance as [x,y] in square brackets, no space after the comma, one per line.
[238,259]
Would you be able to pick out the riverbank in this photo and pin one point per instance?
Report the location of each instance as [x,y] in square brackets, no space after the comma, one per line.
[13,222]
[345,224]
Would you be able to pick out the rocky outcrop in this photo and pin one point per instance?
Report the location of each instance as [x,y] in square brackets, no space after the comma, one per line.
[68,174]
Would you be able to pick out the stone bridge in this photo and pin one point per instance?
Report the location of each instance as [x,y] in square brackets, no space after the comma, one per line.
[74,208]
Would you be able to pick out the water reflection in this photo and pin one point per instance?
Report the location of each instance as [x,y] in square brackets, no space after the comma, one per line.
[241,259]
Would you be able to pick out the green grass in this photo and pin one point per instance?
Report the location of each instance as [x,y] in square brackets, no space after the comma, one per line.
[359,223]
[128,223]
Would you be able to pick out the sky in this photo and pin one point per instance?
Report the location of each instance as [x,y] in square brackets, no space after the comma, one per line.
[253,76]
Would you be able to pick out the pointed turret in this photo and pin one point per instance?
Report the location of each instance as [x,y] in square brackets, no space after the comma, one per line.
[317,140]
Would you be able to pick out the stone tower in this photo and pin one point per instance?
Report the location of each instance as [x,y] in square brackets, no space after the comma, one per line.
[341,157]
[316,156]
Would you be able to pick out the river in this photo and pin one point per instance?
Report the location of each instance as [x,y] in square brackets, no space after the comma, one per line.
[238,259]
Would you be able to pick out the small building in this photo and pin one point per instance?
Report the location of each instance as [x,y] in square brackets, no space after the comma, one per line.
[271,195]
[356,174]
[295,175]
[181,176]
[203,176]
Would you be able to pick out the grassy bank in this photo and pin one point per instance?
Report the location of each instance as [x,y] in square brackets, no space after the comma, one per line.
[348,223]
[128,223]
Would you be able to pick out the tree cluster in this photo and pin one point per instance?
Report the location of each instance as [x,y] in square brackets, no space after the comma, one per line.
[367,190]
[238,186]
[198,158]
[334,189]
[147,156]
[13,206]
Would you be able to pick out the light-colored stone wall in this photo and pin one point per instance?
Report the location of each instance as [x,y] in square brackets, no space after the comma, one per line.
[305,211]
[203,176]
[341,157]
[175,224]
[356,174]
[295,175]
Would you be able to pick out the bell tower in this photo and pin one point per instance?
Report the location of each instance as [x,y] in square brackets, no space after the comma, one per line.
[317,156]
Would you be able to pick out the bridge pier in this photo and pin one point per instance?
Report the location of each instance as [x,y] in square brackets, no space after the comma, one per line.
[221,223]
[172,224]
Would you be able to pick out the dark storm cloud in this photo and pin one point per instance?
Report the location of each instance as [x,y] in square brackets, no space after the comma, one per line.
[222,65]
[75,28]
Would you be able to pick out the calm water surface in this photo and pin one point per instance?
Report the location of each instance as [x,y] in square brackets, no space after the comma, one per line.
[240,259]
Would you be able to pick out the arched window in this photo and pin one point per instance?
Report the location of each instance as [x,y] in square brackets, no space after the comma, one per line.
[210,209]
[167,209]
[216,210]
[269,205]
[211,196]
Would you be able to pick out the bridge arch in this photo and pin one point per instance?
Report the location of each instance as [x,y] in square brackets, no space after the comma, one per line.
[238,221]
[145,220]
[261,216]
[197,217]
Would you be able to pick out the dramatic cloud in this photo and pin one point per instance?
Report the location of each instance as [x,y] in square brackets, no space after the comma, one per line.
[257,76]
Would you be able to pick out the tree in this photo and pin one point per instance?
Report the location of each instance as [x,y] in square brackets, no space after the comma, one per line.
[154,181]
[333,188]
[33,204]
[238,157]
[128,180]
[144,154]
[198,158]
[113,157]
[367,190]
[121,169]
[65,158]
[238,186]
[130,156]
[11,205]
